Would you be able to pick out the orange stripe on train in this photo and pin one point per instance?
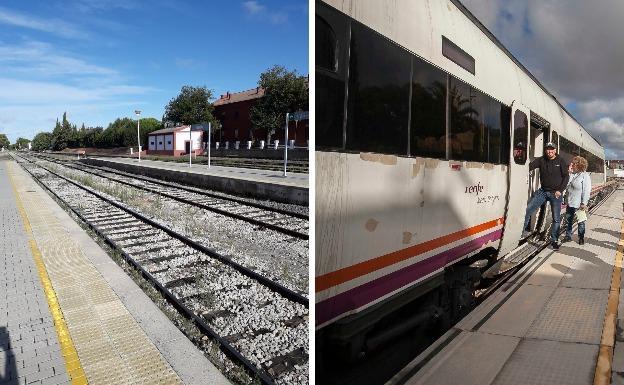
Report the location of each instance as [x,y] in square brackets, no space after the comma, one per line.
[346,274]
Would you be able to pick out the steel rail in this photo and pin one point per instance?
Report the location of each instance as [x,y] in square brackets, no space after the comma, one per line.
[292,233]
[168,184]
[274,286]
[224,345]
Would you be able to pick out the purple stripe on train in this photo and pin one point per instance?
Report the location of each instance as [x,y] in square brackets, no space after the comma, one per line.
[370,291]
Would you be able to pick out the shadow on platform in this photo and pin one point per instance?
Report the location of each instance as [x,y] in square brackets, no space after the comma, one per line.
[8,374]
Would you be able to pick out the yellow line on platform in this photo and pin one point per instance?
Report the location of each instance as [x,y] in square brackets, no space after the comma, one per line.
[604,363]
[72,362]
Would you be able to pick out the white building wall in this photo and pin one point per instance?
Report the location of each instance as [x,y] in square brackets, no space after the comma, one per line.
[182,137]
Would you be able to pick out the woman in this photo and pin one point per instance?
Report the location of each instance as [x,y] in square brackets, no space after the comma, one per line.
[578,189]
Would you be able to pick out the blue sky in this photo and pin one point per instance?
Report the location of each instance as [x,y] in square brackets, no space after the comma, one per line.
[102,59]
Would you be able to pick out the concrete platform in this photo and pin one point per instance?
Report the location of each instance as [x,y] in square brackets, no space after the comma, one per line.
[262,184]
[68,313]
[553,323]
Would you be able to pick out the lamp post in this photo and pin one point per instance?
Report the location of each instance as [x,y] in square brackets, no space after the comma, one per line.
[138,114]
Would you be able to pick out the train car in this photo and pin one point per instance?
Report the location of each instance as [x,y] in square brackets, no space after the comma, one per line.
[425,127]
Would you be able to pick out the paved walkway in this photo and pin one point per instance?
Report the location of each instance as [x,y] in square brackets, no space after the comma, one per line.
[70,314]
[554,323]
[267,176]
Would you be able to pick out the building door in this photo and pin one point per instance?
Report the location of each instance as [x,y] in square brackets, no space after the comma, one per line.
[187,147]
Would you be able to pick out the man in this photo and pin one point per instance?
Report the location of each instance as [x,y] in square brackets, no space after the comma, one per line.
[553,179]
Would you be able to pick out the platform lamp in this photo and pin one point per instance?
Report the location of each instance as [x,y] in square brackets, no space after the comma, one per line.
[138,114]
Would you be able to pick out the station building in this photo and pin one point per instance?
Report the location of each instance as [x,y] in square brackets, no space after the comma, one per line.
[174,141]
[233,111]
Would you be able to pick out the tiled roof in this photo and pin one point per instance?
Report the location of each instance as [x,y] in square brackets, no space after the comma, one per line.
[254,93]
[167,130]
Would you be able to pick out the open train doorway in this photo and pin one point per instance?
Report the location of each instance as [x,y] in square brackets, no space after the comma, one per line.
[539,136]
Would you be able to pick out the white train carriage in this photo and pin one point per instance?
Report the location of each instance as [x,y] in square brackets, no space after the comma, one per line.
[425,126]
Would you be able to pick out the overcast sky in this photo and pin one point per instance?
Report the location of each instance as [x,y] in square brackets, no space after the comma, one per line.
[576,49]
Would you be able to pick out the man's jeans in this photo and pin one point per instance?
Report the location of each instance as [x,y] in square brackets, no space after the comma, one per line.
[570,211]
[538,199]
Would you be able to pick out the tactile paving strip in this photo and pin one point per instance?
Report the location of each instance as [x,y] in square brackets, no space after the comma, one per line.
[592,274]
[539,362]
[574,315]
[65,260]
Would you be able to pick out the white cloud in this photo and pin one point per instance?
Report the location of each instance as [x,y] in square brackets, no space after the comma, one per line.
[37,58]
[598,108]
[574,48]
[611,135]
[38,82]
[253,7]
[53,26]
[258,11]
[100,5]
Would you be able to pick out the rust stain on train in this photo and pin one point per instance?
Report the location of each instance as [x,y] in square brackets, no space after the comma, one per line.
[474,165]
[407,237]
[431,163]
[416,167]
[371,224]
[389,160]
[488,166]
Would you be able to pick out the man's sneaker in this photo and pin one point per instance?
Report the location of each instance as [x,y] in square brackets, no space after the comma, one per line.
[554,245]
[566,239]
[581,240]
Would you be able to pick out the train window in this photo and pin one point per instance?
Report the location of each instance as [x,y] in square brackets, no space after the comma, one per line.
[428,123]
[326,46]
[476,124]
[331,40]
[379,86]
[555,138]
[497,123]
[520,137]
[567,149]
[505,118]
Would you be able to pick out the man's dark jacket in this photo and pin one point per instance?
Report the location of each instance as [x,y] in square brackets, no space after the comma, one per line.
[554,174]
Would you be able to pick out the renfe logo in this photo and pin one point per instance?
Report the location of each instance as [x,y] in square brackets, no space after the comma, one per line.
[474,189]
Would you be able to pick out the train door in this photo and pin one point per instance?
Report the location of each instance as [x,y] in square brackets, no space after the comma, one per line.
[539,135]
[518,178]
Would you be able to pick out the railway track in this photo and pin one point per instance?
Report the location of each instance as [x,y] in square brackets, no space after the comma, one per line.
[287,222]
[255,321]
[276,255]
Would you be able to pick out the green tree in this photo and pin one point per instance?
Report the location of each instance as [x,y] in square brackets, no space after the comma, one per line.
[42,141]
[191,106]
[63,134]
[22,143]
[284,91]
[4,141]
